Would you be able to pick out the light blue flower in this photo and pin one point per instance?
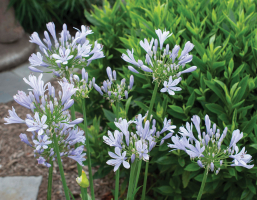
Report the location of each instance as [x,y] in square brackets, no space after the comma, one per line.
[118,159]
[14,118]
[170,86]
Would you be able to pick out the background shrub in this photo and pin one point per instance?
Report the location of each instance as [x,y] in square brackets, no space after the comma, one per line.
[223,86]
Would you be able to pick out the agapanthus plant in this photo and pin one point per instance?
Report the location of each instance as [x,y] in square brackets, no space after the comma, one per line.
[112,90]
[135,145]
[161,63]
[207,148]
[54,135]
[63,54]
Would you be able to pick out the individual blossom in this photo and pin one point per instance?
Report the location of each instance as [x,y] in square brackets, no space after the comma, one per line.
[206,148]
[170,86]
[42,142]
[37,124]
[118,159]
[14,118]
[67,53]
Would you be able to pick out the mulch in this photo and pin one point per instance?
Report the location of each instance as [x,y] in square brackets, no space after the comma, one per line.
[17,159]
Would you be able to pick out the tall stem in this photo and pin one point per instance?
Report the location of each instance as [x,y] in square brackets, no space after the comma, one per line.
[65,188]
[137,175]
[88,150]
[50,180]
[83,190]
[148,118]
[203,183]
[131,179]
[117,174]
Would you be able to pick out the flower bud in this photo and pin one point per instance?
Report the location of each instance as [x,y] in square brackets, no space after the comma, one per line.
[200,163]
[131,82]
[133,69]
[82,180]
[212,166]
[133,158]
[126,94]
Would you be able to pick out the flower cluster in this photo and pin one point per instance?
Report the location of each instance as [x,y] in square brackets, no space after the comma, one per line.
[112,90]
[84,86]
[62,55]
[50,117]
[207,147]
[130,145]
[162,62]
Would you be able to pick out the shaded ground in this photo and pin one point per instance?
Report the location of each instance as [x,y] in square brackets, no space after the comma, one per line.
[17,159]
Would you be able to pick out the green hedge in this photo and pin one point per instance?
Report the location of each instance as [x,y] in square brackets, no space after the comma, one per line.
[224,85]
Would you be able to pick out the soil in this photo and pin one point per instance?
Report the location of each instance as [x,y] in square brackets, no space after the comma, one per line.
[17,159]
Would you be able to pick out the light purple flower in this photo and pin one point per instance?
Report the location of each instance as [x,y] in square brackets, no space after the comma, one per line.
[68,104]
[195,151]
[167,126]
[123,126]
[41,160]
[142,150]
[241,159]
[113,140]
[236,136]
[170,87]
[34,38]
[51,28]
[130,58]
[63,57]
[76,121]
[98,89]
[133,69]
[67,91]
[188,47]
[147,46]
[37,124]
[34,69]
[118,159]
[42,142]
[200,163]
[78,155]
[162,36]
[14,118]
[190,69]
[179,143]
[174,53]
[187,132]
[37,60]
[24,139]
[97,55]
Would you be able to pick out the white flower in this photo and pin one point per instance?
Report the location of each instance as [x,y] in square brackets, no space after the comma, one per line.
[130,58]
[162,36]
[37,125]
[241,158]
[37,60]
[118,159]
[146,46]
[236,136]
[14,118]
[195,151]
[170,87]
[113,141]
[63,57]
[142,150]
[188,131]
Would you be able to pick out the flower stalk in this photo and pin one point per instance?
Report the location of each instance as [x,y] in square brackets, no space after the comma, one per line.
[88,150]
[203,183]
[117,174]
[50,181]
[148,118]
[65,188]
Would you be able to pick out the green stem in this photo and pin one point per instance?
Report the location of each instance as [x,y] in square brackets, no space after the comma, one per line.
[83,190]
[65,188]
[148,118]
[203,183]
[152,100]
[50,180]
[117,175]
[137,175]
[145,180]
[131,180]
[117,178]
[88,150]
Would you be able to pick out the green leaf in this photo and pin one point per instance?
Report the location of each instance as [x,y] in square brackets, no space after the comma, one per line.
[127,105]
[253,145]
[250,125]
[109,115]
[199,48]
[192,167]
[185,178]
[165,189]
[251,186]
[215,108]
[191,100]
[181,161]
[177,109]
